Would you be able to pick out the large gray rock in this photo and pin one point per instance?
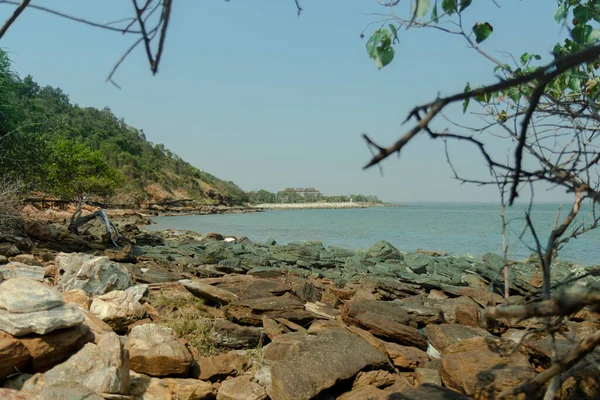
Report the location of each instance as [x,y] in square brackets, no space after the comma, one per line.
[68,391]
[154,350]
[118,309]
[102,368]
[20,270]
[383,250]
[95,275]
[21,295]
[41,322]
[318,362]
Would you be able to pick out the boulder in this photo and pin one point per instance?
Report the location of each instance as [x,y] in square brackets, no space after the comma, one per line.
[55,347]
[221,366]
[41,231]
[383,250]
[444,335]
[139,292]
[22,295]
[207,292]
[477,368]
[20,270]
[405,357]
[189,389]
[149,239]
[154,350]
[251,311]
[364,392]
[68,390]
[95,275]
[265,272]
[378,378]
[241,388]
[77,296]
[118,309]
[14,355]
[319,361]
[41,322]
[143,387]
[426,375]
[428,391]
[228,334]
[11,394]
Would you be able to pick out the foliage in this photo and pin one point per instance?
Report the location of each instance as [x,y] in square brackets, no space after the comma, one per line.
[10,206]
[291,196]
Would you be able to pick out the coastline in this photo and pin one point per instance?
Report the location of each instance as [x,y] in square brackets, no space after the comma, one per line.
[308,206]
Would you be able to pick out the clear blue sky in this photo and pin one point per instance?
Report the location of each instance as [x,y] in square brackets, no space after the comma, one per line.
[251,93]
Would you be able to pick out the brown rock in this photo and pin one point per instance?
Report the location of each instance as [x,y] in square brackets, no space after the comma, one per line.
[406,357]
[369,338]
[428,392]
[40,231]
[378,379]
[444,335]
[27,259]
[11,394]
[271,327]
[143,387]
[223,365]
[77,296]
[55,347]
[481,296]
[211,294]
[241,388]
[228,334]
[470,367]
[14,355]
[189,389]
[425,375]
[330,299]
[97,327]
[154,350]
[401,385]
[250,311]
[284,346]
[467,314]
[364,393]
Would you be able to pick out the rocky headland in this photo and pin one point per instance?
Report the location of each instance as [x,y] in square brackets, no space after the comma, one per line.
[180,315]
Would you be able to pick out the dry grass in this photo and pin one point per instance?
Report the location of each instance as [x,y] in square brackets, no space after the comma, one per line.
[11,219]
[186,315]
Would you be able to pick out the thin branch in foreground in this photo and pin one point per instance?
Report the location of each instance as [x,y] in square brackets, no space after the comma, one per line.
[13,17]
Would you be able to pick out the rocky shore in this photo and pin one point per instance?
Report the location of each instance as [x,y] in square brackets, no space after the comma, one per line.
[308,206]
[179,315]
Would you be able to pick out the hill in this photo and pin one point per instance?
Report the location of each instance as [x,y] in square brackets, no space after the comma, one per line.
[54,146]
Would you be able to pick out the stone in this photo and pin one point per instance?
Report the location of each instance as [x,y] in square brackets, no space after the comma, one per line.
[154,350]
[428,392]
[124,255]
[153,275]
[477,368]
[228,334]
[265,272]
[149,239]
[14,355]
[207,292]
[27,259]
[467,314]
[189,389]
[95,275]
[320,361]
[378,378]
[40,231]
[322,310]
[103,368]
[3,260]
[426,375]
[118,309]
[23,295]
[9,250]
[271,327]
[77,296]
[405,357]
[98,328]
[383,250]
[53,348]
[384,320]
[143,387]
[223,365]
[40,322]
[11,394]
[250,311]
[139,292]
[20,270]
[68,391]
[241,388]
[364,393]
[444,335]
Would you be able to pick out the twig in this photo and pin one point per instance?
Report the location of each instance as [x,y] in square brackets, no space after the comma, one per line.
[13,17]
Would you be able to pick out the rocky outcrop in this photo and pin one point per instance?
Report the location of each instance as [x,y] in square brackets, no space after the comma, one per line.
[118,309]
[95,275]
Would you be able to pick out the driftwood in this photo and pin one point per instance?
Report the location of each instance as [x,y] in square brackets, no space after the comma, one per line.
[78,220]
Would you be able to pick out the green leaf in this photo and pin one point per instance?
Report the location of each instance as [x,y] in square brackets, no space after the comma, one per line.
[482,31]
[464,4]
[585,34]
[450,6]
[561,12]
[434,13]
[593,36]
[513,93]
[574,83]
[467,100]
[385,55]
[582,14]
[394,31]
[420,8]
[524,58]
[379,47]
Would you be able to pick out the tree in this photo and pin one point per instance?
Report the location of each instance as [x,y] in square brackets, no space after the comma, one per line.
[547,115]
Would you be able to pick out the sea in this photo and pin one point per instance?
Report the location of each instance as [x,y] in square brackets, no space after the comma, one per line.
[455,228]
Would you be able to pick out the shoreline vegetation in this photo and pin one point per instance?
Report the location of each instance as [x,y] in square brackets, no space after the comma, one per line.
[304,206]
[175,312]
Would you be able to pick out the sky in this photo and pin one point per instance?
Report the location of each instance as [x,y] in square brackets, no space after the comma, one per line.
[252,93]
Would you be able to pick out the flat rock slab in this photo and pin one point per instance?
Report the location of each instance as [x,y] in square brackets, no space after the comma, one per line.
[189,389]
[223,365]
[40,322]
[20,270]
[405,357]
[228,334]
[207,292]
[321,361]
[251,311]
[241,388]
[444,335]
[428,391]
[23,295]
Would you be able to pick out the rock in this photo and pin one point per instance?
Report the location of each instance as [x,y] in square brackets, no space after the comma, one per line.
[383,250]
[250,311]
[318,362]
[3,260]
[9,250]
[241,388]
[428,392]
[26,259]
[364,393]
[379,378]
[77,296]
[22,295]
[210,293]
[271,327]
[467,314]
[265,272]
[41,231]
[384,320]
[228,334]
[223,365]
[322,310]
[118,309]
[103,368]
[154,350]
[19,270]
[14,355]
[143,387]
[153,275]
[41,322]
[67,391]
[139,292]
[11,394]
[55,347]
[124,255]
[98,328]
[444,335]
[95,275]
[295,253]
[148,239]
[405,357]
[189,389]
[475,367]
[426,375]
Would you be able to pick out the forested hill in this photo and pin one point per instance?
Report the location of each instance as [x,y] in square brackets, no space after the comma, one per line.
[56,147]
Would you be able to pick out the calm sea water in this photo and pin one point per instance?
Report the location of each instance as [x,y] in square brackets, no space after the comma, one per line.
[455,228]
